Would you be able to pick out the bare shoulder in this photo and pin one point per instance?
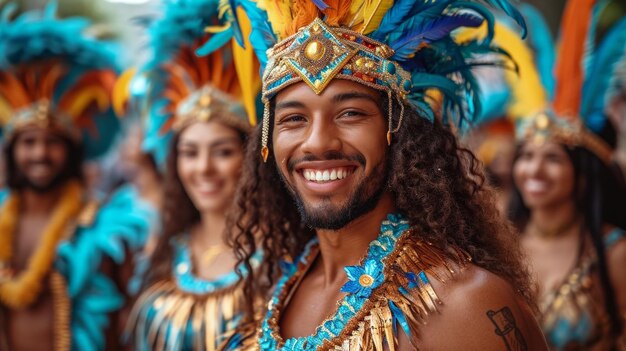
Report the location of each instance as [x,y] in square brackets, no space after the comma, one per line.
[480,311]
[616,254]
[616,260]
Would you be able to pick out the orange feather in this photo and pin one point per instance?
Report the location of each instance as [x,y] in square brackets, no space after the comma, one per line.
[49,82]
[100,79]
[303,13]
[337,12]
[13,91]
[569,67]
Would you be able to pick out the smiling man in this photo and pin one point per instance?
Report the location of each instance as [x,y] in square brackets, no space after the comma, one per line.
[391,240]
[60,250]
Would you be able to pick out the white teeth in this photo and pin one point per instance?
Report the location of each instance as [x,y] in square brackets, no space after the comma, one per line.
[318,176]
[535,185]
[325,175]
[208,187]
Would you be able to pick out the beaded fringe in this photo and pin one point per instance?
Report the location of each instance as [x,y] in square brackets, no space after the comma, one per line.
[373,327]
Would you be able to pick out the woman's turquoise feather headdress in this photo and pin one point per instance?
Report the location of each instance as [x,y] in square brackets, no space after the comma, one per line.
[194,73]
[53,74]
[402,48]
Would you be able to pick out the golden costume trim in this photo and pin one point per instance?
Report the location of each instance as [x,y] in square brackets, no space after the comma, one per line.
[22,290]
[372,326]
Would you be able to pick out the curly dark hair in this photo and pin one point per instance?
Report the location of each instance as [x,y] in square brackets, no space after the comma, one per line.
[435,182]
[179,213]
[599,193]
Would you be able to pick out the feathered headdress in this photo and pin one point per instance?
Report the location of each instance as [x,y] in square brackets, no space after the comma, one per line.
[584,81]
[524,89]
[402,48]
[195,74]
[53,74]
[515,93]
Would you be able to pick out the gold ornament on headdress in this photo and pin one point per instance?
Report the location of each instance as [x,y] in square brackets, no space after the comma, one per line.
[27,97]
[543,127]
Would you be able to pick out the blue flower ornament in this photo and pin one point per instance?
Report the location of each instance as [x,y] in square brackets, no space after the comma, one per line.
[362,280]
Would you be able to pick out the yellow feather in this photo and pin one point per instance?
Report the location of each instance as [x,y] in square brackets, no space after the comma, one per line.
[216,29]
[356,13]
[528,93]
[121,91]
[6,112]
[279,15]
[373,13]
[247,68]
[85,98]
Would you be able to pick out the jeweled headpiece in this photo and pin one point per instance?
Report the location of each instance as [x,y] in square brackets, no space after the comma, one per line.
[53,75]
[402,48]
[195,75]
[584,74]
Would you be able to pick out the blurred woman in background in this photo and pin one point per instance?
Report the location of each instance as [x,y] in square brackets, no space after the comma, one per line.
[191,294]
[569,199]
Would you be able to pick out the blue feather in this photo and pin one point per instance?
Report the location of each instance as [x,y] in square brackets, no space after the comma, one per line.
[50,10]
[320,4]
[512,12]
[235,22]
[543,45]
[430,31]
[408,11]
[217,41]
[81,340]
[8,11]
[393,18]
[484,13]
[597,87]
[262,35]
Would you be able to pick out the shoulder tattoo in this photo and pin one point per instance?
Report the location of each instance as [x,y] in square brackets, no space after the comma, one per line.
[506,328]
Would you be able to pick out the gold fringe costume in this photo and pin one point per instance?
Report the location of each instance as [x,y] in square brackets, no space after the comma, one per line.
[185,312]
[390,288]
[573,316]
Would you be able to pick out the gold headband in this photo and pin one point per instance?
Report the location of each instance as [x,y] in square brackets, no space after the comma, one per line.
[207,103]
[41,114]
[542,127]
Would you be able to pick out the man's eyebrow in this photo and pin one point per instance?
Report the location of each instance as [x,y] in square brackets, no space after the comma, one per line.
[353,95]
[289,104]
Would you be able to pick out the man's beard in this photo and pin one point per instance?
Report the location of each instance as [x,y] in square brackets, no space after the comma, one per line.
[362,200]
[27,184]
